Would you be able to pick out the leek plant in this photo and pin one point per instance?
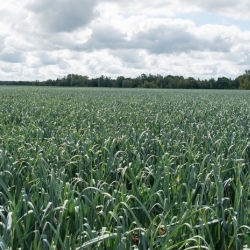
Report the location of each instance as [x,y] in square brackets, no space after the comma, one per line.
[124,169]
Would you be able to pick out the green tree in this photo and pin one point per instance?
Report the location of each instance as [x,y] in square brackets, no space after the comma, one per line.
[119,80]
[137,82]
[148,84]
[159,81]
[191,83]
[212,83]
[101,81]
[127,83]
[245,80]
[223,83]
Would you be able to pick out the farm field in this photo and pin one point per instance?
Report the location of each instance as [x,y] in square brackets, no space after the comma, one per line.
[85,168]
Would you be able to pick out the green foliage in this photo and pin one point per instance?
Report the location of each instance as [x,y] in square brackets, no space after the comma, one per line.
[127,83]
[124,169]
[143,81]
[244,81]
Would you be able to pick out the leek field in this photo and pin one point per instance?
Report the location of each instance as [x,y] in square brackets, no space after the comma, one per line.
[85,168]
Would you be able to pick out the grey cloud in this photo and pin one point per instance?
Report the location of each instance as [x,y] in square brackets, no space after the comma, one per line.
[2,38]
[115,70]
[215,5]
[127,55]
[131,58]
[12,56]
[63,64]
[63,15]
[231,8]
[246,60]
[46,59]
[163,39]
[7,69]
[210,69]
[105,37]
[166,39]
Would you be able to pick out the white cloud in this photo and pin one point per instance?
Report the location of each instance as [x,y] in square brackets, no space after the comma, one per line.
[12,56]
[238,9]
[42,39]
[62,15]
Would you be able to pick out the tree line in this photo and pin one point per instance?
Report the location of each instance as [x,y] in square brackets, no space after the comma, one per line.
[142,81]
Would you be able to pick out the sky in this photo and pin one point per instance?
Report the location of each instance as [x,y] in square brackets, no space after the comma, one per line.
[49,39]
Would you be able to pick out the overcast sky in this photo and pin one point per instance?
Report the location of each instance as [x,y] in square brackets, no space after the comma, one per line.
[46,39]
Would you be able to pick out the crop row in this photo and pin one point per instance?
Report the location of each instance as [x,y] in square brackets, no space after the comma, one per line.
[124,169]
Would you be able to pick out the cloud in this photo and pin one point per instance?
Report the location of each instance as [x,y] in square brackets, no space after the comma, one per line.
[175,39]
[41,39]
[245,60]
[48,59]
[165,8]
[168,36]
[62,15]
[103,37]
[12,56]
[237,9]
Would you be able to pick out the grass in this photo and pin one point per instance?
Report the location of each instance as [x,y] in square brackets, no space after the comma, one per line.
[124,169]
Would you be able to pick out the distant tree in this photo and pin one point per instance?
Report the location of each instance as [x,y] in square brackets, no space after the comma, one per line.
[142,81]
[236,83]
[247,72]
[144,78]
[50,83]
[137,82]
[191,83]
[119,80]
[151,78]
[170,81]
[101,81]
[165,82]
[223,83]
[127,83]
[244,80]
[159,81]
[204,84]
[75,80]
[148,84]
[212,83]
[180,82]
[94,82]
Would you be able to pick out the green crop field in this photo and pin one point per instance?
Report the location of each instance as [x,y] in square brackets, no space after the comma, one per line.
[84,168]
